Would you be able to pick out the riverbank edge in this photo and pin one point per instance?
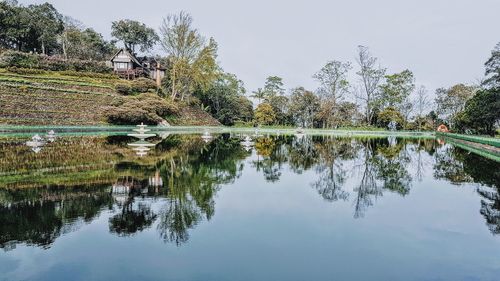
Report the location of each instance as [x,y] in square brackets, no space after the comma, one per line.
[8,130]
[483,146]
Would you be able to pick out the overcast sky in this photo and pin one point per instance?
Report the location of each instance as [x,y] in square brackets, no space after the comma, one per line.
[443,42]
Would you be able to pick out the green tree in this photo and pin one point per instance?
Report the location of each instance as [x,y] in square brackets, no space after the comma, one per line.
[84,43]
[259,94]
[333,86]
[397,88]
[481,112]
[493,68]
[226,100]
[47,22]
[264,114]
[192,61]
[303,106]
[452,101]
[134,34]
[274,86]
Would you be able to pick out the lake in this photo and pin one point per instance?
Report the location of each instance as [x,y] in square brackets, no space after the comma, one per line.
[231,207]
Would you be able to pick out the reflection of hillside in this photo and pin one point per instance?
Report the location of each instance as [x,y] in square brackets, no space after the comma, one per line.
[183,175]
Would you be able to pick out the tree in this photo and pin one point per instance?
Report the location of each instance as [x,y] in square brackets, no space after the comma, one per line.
[333,86]
[259,94]
[397,88]
[303,106]
[481,112]
[493,68]
[274,86]
[264,114]
[47,22]
[451,101]
[226,101]
[134,34]
[422,103]
[193,62]
[84,43]
[370,75]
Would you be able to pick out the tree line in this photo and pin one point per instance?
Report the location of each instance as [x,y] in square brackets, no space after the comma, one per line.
[379,99]
[376,98]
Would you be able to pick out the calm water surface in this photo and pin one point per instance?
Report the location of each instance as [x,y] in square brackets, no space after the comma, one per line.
[273,208]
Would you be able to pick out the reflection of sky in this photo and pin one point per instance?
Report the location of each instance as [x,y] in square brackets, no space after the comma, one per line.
[286,231]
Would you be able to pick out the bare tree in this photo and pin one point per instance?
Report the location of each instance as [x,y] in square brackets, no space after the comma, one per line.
[422,103]
[370,76]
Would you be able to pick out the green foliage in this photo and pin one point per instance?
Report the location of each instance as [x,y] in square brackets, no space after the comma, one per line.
[390,114]
[397,88]
[192,61]
[493,68]
[264,114]
[85,44]
[31,28]
[35,61]
[304,106]
[143,85]
[140,85]
[145,108]
[134,34]
[26,71]
[225,100]
[450,102]
[481,113]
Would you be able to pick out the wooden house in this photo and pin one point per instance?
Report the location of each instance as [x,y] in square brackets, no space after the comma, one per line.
[127,65]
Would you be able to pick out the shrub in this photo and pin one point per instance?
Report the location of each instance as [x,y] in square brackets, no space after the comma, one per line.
[89,74]
[147,108]
[26,71]
[143,85]
[54,63]
[123,88]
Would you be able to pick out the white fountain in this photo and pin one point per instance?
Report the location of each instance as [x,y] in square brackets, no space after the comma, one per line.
[206,137]
[141,132]
[247,143]
[36,143]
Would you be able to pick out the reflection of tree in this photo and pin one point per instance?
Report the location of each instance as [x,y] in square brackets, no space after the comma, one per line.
[133,217]
[39,221]
[449,165]
[367,187]
[271,155]
[193,179]
[391,163]
[459,166]
[333,153]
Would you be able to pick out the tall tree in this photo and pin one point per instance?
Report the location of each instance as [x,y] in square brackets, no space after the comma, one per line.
[333,86]
[371,75]
[451,101]
[48,24]
[493,68]
[274,86]
[259,94]
[397,88]
[422,104]
[481,112]
[193,61]
[303,106]
[134,34]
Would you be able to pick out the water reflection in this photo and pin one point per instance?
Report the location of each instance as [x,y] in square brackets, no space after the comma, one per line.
[172,187]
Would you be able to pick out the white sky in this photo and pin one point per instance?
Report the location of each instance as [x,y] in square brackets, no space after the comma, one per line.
[443,42]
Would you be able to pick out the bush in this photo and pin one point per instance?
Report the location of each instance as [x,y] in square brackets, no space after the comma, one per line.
[26,71]
[89,74]
[123,88]
[143,85]
[54,63]
[146,108]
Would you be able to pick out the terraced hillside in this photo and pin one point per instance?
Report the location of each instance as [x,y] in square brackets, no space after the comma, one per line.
[53,98]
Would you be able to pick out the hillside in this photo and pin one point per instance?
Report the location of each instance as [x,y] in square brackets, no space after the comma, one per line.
[69,98]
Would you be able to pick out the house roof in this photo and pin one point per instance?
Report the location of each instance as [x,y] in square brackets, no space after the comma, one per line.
[128,54]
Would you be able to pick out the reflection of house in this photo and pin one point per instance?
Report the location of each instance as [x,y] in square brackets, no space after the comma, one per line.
[128,66]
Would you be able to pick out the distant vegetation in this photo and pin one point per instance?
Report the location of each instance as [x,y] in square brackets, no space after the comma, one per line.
[38,38]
